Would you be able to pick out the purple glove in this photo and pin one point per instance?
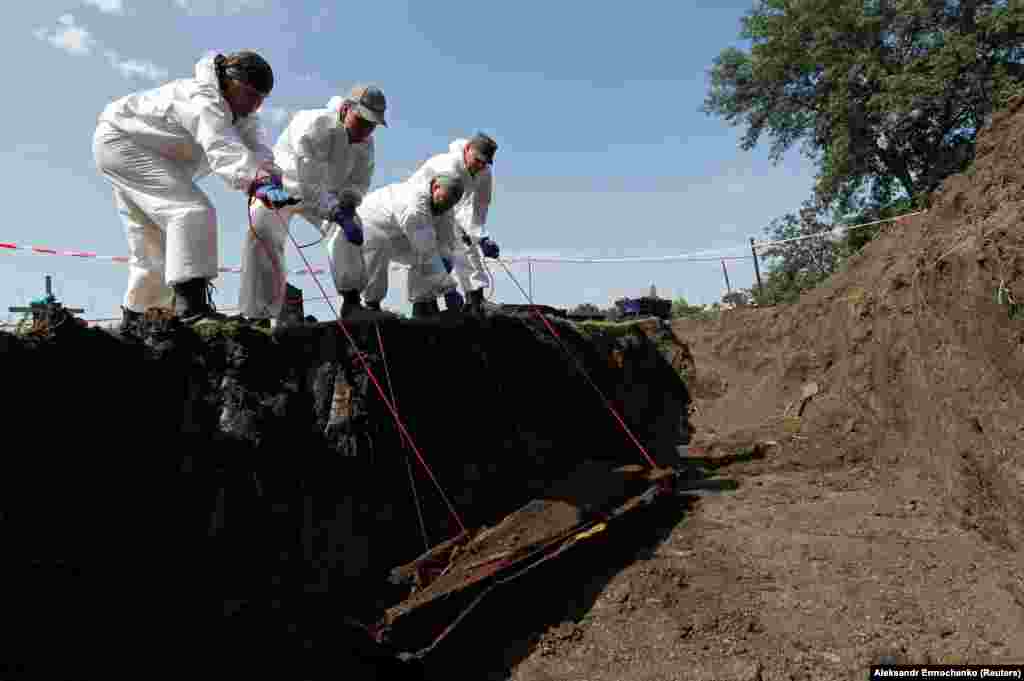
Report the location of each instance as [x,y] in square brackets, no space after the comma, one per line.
[343,211]
[489,248]
[345,216]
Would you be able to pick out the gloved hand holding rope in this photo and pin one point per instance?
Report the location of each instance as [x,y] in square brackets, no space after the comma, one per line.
[270,191]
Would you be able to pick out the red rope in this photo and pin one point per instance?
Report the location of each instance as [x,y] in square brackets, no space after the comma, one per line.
[373,378]
[282,289]
[579,365]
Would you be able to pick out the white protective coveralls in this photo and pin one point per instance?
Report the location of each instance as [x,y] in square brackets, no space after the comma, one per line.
[470,213]
[400,227]
[153,146]
[322,168]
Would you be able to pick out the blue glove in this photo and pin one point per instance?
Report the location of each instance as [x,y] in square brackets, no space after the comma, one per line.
[447,262]
[489,248]
[453,300]
[273,195]
[345,216]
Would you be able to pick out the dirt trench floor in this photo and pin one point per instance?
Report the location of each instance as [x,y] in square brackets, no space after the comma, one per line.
[788,556]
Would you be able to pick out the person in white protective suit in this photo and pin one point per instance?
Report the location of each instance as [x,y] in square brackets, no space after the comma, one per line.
[153,145]
[328,160]
[471,160]
[410,223]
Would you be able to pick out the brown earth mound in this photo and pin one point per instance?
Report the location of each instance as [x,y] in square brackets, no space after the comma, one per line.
[874,438]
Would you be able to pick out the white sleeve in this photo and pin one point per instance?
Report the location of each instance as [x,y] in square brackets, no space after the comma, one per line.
[417,224]
[447,234]
[255,136]
[312,147]
[359,181]
[474,216]
[210,123]
[483,199]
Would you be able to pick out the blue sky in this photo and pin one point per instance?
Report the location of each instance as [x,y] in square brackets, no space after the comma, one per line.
[603,152]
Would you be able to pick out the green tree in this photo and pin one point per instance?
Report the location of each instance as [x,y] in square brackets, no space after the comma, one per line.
[886,96]
[807,255]
[682,309]
[811,250]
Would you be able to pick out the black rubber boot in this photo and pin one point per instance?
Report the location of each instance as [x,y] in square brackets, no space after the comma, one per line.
[475,303]
[350,303]
[353,310]
[193,302]
[425,309]
[129,320]
[453,302]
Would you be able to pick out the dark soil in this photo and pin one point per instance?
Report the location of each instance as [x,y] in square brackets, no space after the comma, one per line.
[234,501]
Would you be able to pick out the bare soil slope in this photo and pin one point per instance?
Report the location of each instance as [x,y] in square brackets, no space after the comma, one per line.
[882,517]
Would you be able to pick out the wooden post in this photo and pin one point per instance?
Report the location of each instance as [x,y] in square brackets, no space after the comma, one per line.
[757,269]
[728,288]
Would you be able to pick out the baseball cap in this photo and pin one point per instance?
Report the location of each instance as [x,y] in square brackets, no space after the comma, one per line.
[369,103]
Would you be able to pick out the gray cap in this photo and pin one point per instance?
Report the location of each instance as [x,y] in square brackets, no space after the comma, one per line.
[369,103]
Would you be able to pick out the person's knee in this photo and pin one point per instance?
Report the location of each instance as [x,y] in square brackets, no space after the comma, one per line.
[268,228]
[198,214]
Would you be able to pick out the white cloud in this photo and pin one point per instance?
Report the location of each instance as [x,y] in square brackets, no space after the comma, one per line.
[107,6]
[78,41]
[68,36]
[219,7]
[135,68]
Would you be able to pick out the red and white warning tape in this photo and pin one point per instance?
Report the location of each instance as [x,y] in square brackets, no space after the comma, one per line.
[42,250]
[713,255]
[695,257]
[124,259]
